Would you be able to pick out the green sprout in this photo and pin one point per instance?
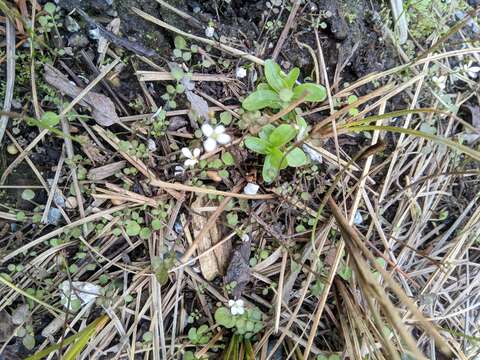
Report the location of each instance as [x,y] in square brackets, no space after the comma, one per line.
[281,90]
[273,143]
[199,336]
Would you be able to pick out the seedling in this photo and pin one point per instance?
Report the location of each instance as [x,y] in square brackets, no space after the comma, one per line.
[273,143]
[199,336]
[281,90]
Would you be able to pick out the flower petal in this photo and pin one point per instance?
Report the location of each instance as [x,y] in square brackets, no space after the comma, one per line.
[223,139]
[190,162]
[240,310]
[187,153]
[233,310]
[209,145]
[231,303]
[196,153]
[220,129]
[239,302]
[207,130]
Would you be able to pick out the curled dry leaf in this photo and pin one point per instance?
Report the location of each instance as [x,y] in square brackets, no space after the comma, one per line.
[103,109]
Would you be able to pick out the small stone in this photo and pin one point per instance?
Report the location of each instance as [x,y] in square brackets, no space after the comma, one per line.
[117,202]
[251,189]
[71,202]
[151,145]
[12,150]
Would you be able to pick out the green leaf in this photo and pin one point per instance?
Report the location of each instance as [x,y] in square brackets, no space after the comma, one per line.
[156,224]
[228,159]
[81,339]
[225,118]
[282,135]
[49,8]
[296,158]
[224,317]
[285,94]
[28,194]
[269,171]
[20,216]
[292,77]
[180,42]
[50,119]
[273,75]
[145,233]
[261,99]
[256,144]
[315,92]
[132,228]
[28,341]
[266,131]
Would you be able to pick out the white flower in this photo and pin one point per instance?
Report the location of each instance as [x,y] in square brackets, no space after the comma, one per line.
[236,307]
[214,136]
[192,158]
[251,189]
[241,72]
[440,81]
[209,31]
[471,71]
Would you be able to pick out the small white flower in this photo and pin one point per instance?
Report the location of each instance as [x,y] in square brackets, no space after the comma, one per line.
[214,136]
[209,31]
[241,72]
[471,71]
[440,81]
[236,307]
[192,158]
[251,189]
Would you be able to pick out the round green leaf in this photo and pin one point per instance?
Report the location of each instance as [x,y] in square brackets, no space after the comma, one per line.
[145,233]
[180,42]
[296,158]
[49,8]
[28,341]
[50,119]
[132,228]
[28,194]
[224,317]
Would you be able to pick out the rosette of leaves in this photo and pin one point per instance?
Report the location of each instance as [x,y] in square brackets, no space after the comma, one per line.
[281,90]
[273,143]
[248,324]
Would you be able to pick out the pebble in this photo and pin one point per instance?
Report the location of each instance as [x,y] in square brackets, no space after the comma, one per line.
[12,150]
[71,202]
